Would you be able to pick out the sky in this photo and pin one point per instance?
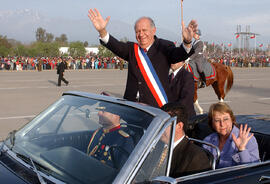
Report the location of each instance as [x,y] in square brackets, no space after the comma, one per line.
[217,19]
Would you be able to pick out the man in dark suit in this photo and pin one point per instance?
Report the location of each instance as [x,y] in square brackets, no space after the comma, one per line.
[182,87]
[160,52]
[187,157]
[198,58]
[60,71]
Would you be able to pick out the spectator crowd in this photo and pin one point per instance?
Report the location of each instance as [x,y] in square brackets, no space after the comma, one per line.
[50,63]
[259,61]
[96,62]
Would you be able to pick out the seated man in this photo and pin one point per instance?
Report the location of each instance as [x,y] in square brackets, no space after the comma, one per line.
[187,157]
[111,144]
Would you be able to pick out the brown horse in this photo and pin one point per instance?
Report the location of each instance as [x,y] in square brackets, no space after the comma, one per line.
[223,74]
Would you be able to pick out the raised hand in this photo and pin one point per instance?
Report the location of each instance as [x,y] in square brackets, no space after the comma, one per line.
[243,138]
[98,21]
[189,31]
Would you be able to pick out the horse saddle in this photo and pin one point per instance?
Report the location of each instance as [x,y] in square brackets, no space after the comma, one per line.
[208,69]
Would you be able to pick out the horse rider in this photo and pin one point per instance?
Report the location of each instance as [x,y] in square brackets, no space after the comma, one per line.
[198,58]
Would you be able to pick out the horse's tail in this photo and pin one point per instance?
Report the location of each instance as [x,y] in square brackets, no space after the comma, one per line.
[229,80]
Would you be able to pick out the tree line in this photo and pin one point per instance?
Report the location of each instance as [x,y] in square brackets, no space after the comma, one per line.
[46,45]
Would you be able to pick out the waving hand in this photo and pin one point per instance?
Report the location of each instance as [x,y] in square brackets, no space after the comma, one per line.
[243,138]
[98,21]
[189,31]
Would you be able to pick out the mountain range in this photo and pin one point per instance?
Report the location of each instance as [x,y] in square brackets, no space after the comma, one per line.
[21,25]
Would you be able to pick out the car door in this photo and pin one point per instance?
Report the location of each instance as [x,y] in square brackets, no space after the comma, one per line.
[157,161]
[248,174]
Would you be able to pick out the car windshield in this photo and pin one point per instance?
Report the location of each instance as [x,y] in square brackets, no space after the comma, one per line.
[82,140]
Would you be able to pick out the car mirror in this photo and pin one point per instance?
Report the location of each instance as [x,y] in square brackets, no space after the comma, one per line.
[163,180]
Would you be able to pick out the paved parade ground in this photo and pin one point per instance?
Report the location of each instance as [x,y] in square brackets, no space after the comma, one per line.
[24,94]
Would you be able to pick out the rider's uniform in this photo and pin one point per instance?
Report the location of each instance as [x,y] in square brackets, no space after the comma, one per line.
[197,57]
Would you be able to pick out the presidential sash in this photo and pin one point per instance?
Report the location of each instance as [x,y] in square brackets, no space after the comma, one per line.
[150,76]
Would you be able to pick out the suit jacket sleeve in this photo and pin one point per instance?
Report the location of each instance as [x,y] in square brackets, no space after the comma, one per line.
[178,54]
[119,48]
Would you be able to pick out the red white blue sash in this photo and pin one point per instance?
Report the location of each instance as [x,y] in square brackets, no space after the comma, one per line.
[150,76]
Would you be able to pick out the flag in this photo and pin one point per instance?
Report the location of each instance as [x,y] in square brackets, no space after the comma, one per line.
[237,36]
[229,44]
[213,44]
[261,45]
[253,36]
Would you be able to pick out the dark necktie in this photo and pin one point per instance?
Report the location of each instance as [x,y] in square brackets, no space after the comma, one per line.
[145,50]
[171,77]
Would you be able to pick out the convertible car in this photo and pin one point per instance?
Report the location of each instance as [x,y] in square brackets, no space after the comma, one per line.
[62,145]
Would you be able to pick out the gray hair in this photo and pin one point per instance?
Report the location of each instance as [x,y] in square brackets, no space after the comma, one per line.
[152,23]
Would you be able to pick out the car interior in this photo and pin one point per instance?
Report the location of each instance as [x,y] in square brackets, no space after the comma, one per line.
[79,140]
[74,147]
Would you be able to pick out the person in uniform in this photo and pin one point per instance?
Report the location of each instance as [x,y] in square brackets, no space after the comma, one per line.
[60,71]
[111,144]
[197,57]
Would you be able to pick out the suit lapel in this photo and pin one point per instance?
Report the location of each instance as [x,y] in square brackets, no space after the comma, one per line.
[152,50]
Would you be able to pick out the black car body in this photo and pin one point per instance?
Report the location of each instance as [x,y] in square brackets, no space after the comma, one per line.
[52,147]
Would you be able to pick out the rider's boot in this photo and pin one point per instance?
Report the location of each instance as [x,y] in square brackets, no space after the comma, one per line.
[203,80]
